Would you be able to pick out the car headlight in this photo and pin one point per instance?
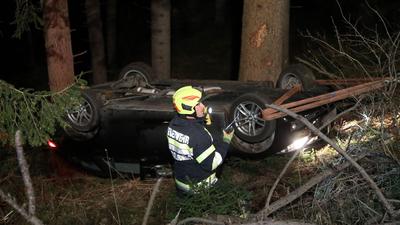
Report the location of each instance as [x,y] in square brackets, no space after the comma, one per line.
[299,143]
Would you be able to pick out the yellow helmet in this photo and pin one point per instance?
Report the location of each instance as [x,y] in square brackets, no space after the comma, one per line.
[185,99]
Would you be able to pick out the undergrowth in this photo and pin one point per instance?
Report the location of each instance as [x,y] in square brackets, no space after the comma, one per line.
[225,198]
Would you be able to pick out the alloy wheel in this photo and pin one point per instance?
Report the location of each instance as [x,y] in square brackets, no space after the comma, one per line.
[248,118]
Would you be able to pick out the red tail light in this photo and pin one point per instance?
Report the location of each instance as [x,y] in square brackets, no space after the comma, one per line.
[52,144]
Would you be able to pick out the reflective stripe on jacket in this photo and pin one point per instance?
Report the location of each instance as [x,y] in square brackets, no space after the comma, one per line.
[195,151]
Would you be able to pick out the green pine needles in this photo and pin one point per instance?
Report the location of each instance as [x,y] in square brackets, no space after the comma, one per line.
[26,13]
[225,198]
[36,113]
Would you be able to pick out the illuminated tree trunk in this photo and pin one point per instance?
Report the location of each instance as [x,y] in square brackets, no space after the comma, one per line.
[161,38]
[265,31]
[96,41]
[58,44]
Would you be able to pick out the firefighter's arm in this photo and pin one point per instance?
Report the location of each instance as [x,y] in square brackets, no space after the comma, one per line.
[208,154]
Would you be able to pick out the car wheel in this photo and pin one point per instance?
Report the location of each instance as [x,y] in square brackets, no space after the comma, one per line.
[79,135]
[136,74]
[85,116]
[296,74]
[246,112]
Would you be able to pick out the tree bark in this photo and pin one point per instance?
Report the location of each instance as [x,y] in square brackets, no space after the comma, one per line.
[265,31]
[96,41]
[111,32]
[58,44]
[161,38]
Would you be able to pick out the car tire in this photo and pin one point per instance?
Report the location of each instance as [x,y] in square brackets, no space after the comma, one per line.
[296,74]
[80,135]
[85,117]
[137,74]
[250,127]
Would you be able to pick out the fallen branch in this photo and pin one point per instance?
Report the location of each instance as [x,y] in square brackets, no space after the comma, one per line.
[23,165]
[199,220]
[304,188]
[271,222]
[151,201]
[13,203]
[342,113]
[305,62]
[267,221]
[271,191]
[388,206]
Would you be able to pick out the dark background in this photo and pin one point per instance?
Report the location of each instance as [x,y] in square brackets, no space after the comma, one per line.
[200,48]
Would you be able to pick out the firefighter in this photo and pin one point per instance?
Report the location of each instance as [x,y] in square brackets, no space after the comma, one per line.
[196,153]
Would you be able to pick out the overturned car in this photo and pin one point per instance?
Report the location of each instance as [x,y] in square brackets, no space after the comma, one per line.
[123,124]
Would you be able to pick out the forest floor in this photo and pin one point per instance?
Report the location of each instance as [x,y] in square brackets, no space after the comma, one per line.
[67,195]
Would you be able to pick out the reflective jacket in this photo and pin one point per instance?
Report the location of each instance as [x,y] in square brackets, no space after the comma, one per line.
[195,151]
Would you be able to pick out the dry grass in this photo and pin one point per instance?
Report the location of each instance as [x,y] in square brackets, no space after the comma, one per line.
[80,198]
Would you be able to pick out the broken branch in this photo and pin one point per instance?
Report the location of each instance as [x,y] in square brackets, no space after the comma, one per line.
[151,201]
[301,190]
[388,206]
[30,214]
[23,165]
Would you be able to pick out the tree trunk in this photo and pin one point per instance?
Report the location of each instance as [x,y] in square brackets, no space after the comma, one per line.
[96,41]
[111,33]
[58,44]
[265,27]
[161,38]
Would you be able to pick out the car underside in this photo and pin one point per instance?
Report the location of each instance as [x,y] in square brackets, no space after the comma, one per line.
[126,120]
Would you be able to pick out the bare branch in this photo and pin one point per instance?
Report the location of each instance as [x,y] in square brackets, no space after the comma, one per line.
[301,190]
[305,62]
[151,201]
[11,201]
[272,222]
[30,215]
[271,191]
[199,220]
[381,19]
[23,165]
[388,206]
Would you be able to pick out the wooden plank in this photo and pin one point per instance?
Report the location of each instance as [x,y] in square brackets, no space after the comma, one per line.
[346,91]
[320,100]
[284,97]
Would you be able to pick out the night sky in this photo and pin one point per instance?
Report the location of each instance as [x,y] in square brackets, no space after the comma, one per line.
[200,48]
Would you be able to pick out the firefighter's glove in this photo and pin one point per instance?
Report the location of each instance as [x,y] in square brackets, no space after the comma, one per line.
[227,136]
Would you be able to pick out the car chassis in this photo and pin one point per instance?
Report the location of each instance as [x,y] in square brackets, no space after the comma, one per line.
[136,95]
